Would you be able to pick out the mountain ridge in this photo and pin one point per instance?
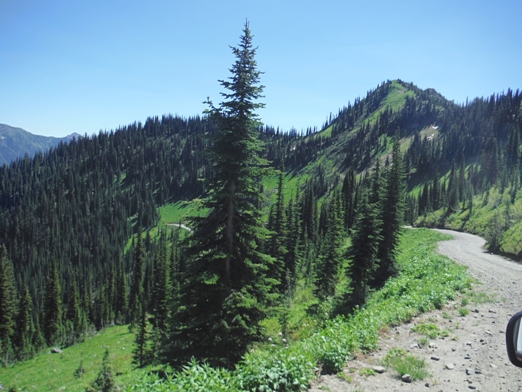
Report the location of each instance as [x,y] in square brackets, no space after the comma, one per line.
[15,142]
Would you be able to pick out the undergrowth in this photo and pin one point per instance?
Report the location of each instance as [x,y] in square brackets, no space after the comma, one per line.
[426,281]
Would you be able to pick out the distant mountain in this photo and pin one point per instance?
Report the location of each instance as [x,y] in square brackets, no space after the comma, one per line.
[16,142]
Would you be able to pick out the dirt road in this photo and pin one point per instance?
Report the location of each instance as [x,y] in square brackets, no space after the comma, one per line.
[473,356]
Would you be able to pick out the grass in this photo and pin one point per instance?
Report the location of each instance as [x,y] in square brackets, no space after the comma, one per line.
[49,372]
[404,363]
[430,330]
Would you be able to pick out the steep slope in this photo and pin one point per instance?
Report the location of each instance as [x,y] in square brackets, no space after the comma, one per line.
[16,142]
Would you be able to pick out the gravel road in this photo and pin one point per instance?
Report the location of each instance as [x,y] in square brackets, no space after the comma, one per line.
[473,357]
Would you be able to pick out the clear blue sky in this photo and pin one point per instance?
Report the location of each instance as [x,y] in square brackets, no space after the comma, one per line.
[84,66]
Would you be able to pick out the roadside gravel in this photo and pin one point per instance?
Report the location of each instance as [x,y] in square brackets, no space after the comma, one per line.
[473,356]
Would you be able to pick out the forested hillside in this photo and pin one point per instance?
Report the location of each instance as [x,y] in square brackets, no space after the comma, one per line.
[76,220]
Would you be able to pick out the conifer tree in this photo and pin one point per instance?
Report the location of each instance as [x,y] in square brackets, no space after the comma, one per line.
[136,291]
[75,312]
[331,258]
[52,316]
[141,351]
[161,290]
[225,285]
[104,382]
[277,247]
[25,325]
[392,215]
[363,252]
[7,305]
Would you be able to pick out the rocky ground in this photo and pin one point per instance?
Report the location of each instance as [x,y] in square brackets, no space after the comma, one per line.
[473,355]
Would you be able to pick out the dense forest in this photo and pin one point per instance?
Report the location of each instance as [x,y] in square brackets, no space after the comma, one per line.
[77,253]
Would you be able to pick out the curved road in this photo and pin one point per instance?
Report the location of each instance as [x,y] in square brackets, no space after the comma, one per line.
[469,250]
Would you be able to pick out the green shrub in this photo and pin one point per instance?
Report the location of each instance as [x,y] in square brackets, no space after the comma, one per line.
[404,363]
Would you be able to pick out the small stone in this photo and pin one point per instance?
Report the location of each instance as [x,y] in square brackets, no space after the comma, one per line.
[492,311]
[493,365]
[467,356]
[476,310]
[453,349]
[414,345]
[472,387]
[407,378]
[449,366]
[56,350]
[469,343]
[379,369]
[435,358]
[478,371]
[427,385]
[469,372]
[433,345]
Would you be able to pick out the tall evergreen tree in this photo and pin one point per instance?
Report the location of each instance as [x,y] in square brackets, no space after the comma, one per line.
[277,248]
[391,216]
[136,291]
[225,284]
[7,305]
[52,314]
[331,258]
[363,251]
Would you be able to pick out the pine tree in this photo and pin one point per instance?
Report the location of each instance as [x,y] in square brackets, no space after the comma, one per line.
[363,252]
[277,247]
[225,285]
[331,258]
[136,291]
[7,305]
[52,317]
[104,382]
[25,325]
[391,216]
[141,351]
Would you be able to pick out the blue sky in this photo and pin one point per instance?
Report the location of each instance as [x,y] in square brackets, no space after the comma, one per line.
[84,66]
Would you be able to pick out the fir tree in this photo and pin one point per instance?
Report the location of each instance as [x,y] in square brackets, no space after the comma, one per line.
[331,258]
[277,248]
[225,285]
[7,305]
[104,382]
[363,252]
[141,351]
[392,214]
[52,315]
[25,324]
[136,291]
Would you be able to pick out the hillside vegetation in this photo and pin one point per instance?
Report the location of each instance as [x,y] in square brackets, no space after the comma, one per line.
[204,234]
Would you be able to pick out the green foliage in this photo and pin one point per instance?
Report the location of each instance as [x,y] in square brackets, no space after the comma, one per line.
[105,381]
[7,306]
[432,331]
[53,306]
[404,363]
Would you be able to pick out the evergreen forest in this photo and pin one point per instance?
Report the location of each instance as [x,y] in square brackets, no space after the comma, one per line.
[260,214]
